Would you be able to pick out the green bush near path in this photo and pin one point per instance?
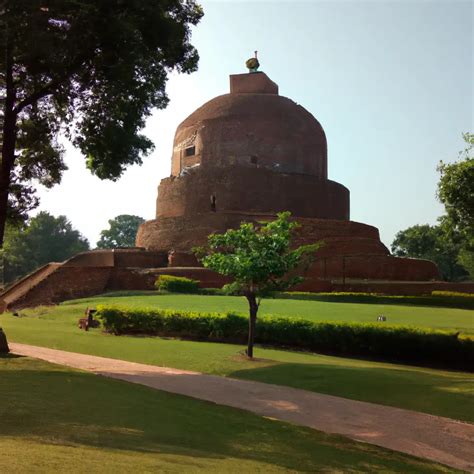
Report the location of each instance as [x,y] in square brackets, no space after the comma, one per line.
[394,343]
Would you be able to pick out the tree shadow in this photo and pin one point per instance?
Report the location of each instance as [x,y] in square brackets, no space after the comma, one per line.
[53,404]
[412,388]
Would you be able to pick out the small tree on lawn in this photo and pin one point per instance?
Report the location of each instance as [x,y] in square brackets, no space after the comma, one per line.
[259,259]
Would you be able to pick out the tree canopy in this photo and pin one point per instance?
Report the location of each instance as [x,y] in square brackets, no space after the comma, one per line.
[259,259]
[431,243]
[456,189]
[43,239]
[93,70]
[122,232]
[450,244]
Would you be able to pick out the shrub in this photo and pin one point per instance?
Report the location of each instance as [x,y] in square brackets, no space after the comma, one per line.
[176,284]
[438,298]
[452,294]
[395,343]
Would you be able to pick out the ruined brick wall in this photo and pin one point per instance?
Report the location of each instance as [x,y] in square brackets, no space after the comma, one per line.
[95,258]
[372,267]
[67,282]
[140,258]
[184,233]
[252,189]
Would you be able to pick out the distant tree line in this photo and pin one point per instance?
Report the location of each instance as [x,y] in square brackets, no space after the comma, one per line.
[46,238]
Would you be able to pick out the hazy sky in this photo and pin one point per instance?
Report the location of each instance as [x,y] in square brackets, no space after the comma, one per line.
[391,82]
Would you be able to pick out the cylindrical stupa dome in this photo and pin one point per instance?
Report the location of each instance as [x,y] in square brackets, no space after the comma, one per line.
[252,126]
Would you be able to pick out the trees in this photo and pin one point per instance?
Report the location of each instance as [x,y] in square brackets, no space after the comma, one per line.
[121,233]
[456,189]
[450,244]
[44,239]
[258,259]
[433,243]
[92,70]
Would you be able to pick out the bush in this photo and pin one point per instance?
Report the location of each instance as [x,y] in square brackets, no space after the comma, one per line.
[452,294]
[437,299]
[176,284]
[394,343]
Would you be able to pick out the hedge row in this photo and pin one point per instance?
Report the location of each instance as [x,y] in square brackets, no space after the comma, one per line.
[379,341]
[437,299]
[176,284]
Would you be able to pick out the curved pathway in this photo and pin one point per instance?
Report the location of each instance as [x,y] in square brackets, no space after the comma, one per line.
[436,438]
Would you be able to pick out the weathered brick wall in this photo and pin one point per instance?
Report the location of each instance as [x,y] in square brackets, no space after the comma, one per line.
[67,282]
[184,233]
[373,267]
[247,189]
[232,128]
[140,259]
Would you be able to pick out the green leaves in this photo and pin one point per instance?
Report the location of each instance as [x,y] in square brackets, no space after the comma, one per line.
[44,239]
[94,69]
[121,233]
[258,258]
[456,189]
[396,343]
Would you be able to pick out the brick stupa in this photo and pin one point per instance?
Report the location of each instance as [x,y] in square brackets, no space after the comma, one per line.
[249,154]
[243,156]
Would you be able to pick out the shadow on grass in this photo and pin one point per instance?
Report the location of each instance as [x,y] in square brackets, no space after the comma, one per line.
[55,405]
[420,391]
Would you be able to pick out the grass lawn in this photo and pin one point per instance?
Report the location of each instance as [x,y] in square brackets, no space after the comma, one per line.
[437,392]
[422,316]
[55,419]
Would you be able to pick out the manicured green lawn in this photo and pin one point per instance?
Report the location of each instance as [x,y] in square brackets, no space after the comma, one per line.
[422,316]
[432,391]
[54,419]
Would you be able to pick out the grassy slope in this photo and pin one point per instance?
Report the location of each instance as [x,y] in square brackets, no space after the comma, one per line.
[431,391]
[59,420]
[433,317]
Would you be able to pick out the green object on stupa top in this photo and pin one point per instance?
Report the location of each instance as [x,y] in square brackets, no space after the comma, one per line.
[252,63]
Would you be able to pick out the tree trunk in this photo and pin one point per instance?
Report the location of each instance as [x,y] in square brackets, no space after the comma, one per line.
[4,349]
[8,141]
[253,308]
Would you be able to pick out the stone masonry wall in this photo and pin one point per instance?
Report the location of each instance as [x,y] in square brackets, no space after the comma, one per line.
[251,189]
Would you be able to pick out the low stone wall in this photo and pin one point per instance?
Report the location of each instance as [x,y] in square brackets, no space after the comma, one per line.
[65,283]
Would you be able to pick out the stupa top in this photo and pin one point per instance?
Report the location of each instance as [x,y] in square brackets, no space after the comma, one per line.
[253,83]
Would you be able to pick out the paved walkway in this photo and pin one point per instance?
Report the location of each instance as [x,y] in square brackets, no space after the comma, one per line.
[436,438]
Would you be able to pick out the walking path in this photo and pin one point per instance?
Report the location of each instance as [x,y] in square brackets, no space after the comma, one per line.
[436,438]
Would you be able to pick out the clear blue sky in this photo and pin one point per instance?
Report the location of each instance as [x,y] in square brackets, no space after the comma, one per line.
[391,82]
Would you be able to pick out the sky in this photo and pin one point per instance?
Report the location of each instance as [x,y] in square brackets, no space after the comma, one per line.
[391,82]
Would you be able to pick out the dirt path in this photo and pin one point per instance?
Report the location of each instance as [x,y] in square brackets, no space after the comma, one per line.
[436,438]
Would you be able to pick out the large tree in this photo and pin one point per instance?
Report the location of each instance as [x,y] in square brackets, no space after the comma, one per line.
[43,239]
[259,259]
[122,232]
[435,243]
[92,69]
[456,189]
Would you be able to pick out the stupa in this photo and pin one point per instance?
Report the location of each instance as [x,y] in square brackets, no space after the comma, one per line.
[249,154]
[242,156]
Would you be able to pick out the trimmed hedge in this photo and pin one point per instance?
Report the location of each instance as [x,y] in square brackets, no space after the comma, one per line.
[438,299]
[394,343]
[176,284]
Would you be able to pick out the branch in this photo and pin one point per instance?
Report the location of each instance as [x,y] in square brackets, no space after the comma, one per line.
[43,92]
[49,88]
